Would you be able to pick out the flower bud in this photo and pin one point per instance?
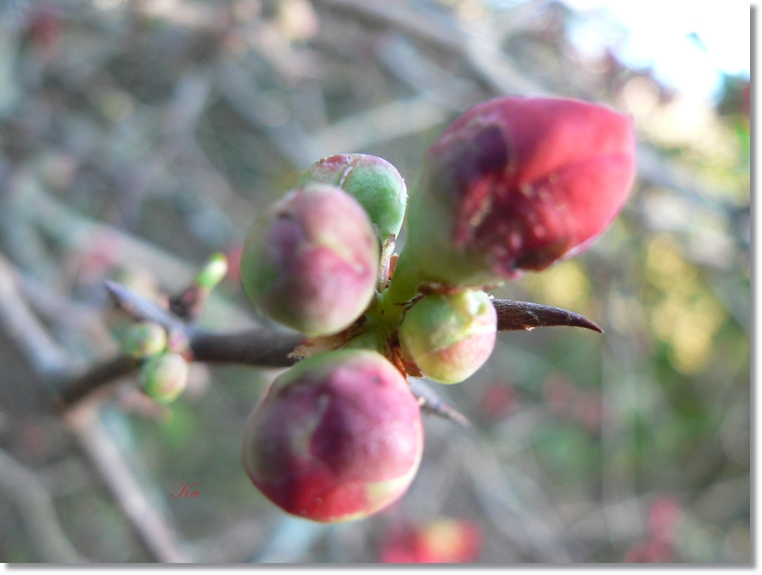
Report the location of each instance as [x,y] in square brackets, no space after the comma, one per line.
[144,339]
[336,438]
[164,376]
[311,262]
[449,337]
[372,181]
[213,272]
[515,184]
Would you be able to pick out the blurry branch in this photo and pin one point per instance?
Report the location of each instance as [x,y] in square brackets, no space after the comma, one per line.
[79,233]
[154,529]
[399,16]
[404,61]
[36,508]
[481,52]
[431,403]
[386,122]
[45,356]
[520,511]
[59,311]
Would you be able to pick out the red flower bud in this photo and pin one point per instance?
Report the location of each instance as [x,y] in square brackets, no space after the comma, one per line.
[516,184]
[337,437]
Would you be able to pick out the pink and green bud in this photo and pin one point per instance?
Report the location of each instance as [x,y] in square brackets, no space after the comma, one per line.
[516,184]
[311,262]
[164,376]
[144,339]
[336,438]
[372,181]
[449,337]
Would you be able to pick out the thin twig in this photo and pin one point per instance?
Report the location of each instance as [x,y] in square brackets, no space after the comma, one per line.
[45,356]
[431,403]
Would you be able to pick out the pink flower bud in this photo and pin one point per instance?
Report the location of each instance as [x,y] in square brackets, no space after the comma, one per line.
[312,261]
[164,376]
[516,184]
[336,438]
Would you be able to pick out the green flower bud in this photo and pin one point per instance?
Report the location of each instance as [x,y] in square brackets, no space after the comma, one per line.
[372,181]
[164,376]
[144,339]
[449,337]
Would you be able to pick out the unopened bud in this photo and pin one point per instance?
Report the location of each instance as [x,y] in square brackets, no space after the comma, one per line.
[372,181]
[449,337]
[337,437]
[312,261]
[516,184]
[144,339]
[164,376]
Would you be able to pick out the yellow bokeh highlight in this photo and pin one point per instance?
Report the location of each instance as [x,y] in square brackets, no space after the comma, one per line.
[687,317]
[565,285]
[666,267]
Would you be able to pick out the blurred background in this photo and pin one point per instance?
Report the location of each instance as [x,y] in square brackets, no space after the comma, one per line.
[139,137]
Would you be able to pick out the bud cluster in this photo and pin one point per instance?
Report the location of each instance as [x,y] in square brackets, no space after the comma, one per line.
[515,184]
[163,369]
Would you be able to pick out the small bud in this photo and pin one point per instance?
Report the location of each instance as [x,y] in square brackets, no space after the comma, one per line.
[144,339]
[516,184]
[449,337]
[336,438]
[372,181]
[311,262]
[164,376]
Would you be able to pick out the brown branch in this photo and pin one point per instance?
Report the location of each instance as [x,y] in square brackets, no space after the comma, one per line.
[266,348]
[259,347]
[518,315]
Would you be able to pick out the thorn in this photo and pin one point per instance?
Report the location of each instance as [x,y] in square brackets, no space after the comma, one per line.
[141,308]
[518,315]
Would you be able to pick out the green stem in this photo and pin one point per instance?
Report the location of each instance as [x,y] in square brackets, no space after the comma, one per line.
[406,280]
